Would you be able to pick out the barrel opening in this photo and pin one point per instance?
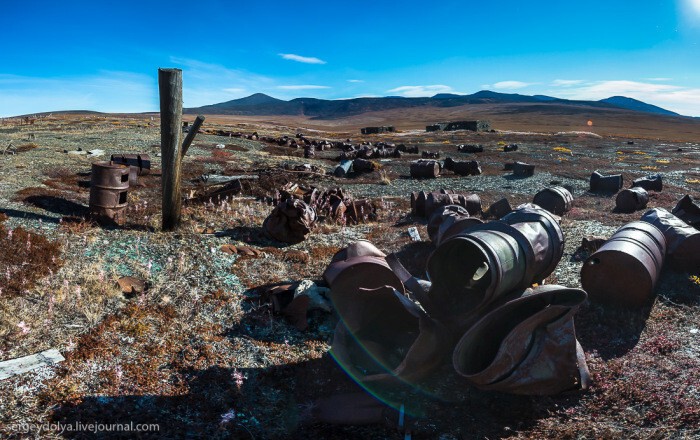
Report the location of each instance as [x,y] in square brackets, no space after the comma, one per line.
[594,261]
[465,269]
[122,195]
[125,177]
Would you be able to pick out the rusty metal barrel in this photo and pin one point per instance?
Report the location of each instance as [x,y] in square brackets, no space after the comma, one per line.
[601,183]
[433,201]
[555,199]
[425,169]
[465,168]
[360,265]
[632,199]
[683,240]
[522,169]
[472,270]
[385,338]
[527,345]
[625,269]
[649,183]
[363,166]
[448,221]
[499,208]
[109,185]
[419,198]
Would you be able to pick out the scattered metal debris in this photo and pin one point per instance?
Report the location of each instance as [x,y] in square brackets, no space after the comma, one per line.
[688,211]
[510,147]
[522,169]
[470,148]
[291,221]
[424,203]
[132,285]
[500,208]
[625,269]
[240,250]
[649,183]
[609,184]
[414,234]
[463,168]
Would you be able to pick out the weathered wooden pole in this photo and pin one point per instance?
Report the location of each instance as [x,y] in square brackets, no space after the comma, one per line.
[191,134]
[170,88]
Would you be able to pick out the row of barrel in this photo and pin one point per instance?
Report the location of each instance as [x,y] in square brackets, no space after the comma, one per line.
[430,169]
[631,199]
[109,185]
[502,334]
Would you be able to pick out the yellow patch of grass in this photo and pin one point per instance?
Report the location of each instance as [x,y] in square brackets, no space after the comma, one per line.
[641,153]
[562,149]
[649,168]
[664,161]
[692,180]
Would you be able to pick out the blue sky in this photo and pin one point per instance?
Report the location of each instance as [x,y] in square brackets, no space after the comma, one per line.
[104,56]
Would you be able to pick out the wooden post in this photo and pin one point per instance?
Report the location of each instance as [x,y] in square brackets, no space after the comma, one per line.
[194,128]
[170,88]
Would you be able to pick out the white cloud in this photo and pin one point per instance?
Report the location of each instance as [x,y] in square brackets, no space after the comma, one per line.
[301,59]
[659,79]
[567,82]
[207,83]
[683,100]
[694,5]
[421,91]
[302,87]
[355,81]
[511,85]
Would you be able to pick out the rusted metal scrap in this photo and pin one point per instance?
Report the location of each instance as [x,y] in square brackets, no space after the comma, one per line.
[499,208]
[625,269]
[425,169]
[527,345]
[683,240]
[291,221]
[649,183]
[295,300]
[139,165]
[522,169]
[609,184]
[109,185]
[688,211]
[555,199]
[463,168]
[470,148]
[631,199]
[423,203]
[433,200]
[473,270]
[386,338]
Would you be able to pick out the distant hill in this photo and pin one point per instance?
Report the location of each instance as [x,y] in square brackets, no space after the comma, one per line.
[260,104]
[639,106]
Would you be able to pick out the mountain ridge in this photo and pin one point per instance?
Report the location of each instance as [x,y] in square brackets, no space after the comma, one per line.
[260,104]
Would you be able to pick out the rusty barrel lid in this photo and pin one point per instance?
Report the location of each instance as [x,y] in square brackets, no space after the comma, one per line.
[625,269]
